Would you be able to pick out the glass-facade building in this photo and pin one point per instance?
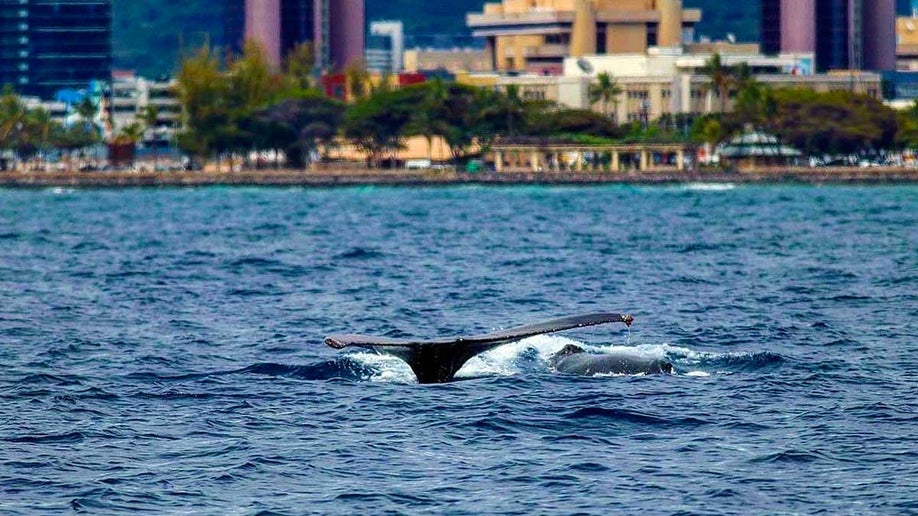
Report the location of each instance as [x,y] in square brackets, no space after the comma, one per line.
[841,34]
[833,27]
[335,28]
[50,45]
[297,24]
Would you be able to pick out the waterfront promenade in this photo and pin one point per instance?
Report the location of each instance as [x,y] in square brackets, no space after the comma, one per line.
[354,177]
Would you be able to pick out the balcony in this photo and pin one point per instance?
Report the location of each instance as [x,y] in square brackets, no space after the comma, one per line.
[482,21]
[543,51]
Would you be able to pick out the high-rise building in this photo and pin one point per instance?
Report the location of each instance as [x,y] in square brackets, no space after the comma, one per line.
[340,32]
[297,23]
[536,35]
[50,45]
[234,25]
[263,25]
[336,28]
[841,34]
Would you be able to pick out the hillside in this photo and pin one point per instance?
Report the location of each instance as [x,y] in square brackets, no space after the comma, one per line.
[148,35]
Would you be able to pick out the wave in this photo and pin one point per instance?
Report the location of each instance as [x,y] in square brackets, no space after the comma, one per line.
[343,367]
[731,362]
[529,356]
[632,417]
[65,438]
[532,356]
[359,253]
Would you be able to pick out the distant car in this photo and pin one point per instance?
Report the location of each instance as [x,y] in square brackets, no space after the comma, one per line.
[417,164]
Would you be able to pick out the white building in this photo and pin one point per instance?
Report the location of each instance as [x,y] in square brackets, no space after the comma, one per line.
[129,100]
[386,47]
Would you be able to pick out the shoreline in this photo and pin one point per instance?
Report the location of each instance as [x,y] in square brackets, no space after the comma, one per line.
[382,177]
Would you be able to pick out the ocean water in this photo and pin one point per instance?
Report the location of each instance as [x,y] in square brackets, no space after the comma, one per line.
[162,351]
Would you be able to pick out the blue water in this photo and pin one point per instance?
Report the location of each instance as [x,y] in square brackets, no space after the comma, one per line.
[162,351]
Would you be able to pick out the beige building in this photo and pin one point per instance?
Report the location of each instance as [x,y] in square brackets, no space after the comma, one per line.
[536,35]
[668,81]
[665,81]
[454,61]
[907,43]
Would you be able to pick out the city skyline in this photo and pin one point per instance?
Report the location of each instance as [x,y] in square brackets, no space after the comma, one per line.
[840,34]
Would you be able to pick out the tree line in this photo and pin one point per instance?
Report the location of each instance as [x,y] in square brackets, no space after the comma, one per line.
[30,132]
[245,106]
[833,122]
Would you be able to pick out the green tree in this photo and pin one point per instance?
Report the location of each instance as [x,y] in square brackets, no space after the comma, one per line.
[149,117]
[515,108]
[606,90]
[426,121]
[721,78]
[907,122]
[87,109]
[12,115]
[299,126]
[564,122]
[832,122]
[299,68]
[470,117]
[378,123]
[358,80]
[202,94]
[130,135]
[35,135]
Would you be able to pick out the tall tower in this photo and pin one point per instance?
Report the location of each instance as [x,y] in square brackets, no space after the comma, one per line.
[297,23]
[879,27]
[55,44]
[670,31]
[843,34]
[263,25]
[340,32]
[798,17]
[234,25]
[788,26]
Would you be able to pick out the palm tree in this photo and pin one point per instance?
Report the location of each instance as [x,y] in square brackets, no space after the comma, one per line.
[514,107]
[721,77]
[40,126]
[606,89]
[426,121]
[12,113]
[358,80]
[87,109]
[148,117]
[130,135]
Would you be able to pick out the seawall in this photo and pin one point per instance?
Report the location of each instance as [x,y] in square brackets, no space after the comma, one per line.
[355,177]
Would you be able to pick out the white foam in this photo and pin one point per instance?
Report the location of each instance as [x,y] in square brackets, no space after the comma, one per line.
[709,187]
[505,360]
[57,190]
[388,369]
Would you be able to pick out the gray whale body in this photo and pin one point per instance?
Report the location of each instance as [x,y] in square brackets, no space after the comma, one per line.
[575,360]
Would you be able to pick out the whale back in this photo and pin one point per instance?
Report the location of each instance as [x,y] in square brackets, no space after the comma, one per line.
[583,363]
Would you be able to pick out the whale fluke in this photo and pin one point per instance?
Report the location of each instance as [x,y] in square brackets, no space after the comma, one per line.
[438,360]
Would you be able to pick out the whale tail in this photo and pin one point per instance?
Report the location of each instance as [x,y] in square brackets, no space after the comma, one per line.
[438,360]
